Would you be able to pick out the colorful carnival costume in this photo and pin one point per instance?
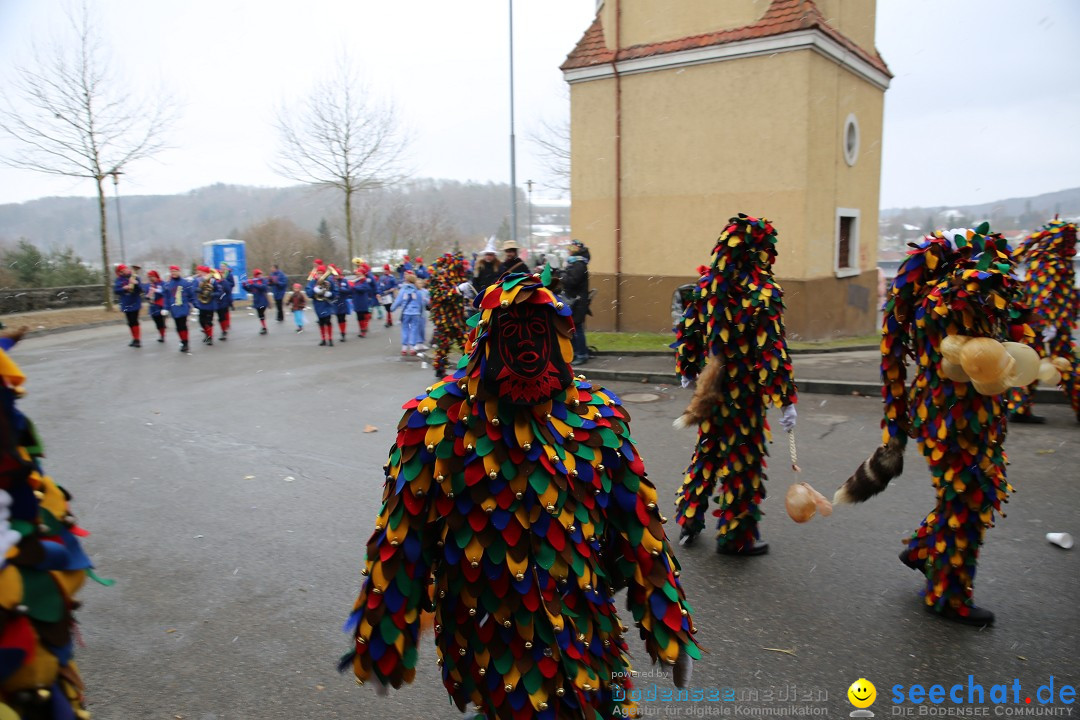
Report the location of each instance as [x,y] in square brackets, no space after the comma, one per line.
[1051,293]
[43,568]
[516,494]
[959,284]
[733,327]
[447,309]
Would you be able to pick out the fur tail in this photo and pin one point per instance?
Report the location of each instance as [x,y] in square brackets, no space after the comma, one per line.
[707,395]
[873,475]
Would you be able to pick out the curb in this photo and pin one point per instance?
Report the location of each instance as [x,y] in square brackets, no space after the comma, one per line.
[791,351]
[1051,396]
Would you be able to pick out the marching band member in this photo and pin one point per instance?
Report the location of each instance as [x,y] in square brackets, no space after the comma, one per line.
[258,286]
[155,299]
[179,296]
[129,292]
[320,288]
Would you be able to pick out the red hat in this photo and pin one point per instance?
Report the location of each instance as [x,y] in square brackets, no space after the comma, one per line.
[203,268]
[120,268]
[256,272]
[153,274]
[174,267]
[419,259]
[318,261]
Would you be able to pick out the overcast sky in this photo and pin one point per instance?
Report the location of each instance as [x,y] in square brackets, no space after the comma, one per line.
[983,106]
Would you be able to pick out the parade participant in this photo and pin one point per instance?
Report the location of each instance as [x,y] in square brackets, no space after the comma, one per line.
[129,292]
[155,300]
[516,494]
[955,286]
[179,296]
[224,299]
[42,567]
[341,303]
[297,304]
[731,341]
[322,290]
[258,286]
[208,289]
[1051,293]
[386,285]
[487,268]
[279,284]
[575,283]
[447,309]
[364,292]
[511,261]
[411,302]
[421,270]
[425,303]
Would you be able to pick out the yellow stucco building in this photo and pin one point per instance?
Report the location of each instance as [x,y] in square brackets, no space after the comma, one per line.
[686,112]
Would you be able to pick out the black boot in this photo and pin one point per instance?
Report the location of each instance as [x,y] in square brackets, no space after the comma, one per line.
[322,343]
[136,343]
[263,331]
[1027,419]
[161,339]
[224,336]
[977,616]
[755,549]
[183,347]
[330,342]
[342,337]
[913,563]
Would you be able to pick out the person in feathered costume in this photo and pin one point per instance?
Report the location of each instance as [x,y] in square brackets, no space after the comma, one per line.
[731,343]
[956,289]
[42,567]
[515,492]
[447,309]
[1051,293]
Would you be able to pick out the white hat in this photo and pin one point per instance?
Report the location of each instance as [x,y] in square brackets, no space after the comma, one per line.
[490,247]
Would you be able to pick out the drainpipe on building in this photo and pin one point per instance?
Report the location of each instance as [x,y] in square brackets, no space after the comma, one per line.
[618,168]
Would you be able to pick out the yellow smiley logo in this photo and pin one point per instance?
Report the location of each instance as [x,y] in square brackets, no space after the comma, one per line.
[862,693]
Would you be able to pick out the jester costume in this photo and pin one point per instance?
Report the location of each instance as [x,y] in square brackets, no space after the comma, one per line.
[955,283]
[516,494]
[39,576]
[731,342]
[447,308]
[1050,291]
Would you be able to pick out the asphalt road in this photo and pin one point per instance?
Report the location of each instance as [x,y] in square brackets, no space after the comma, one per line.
[230,493]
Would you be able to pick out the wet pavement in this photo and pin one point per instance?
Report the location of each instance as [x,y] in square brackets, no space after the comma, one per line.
[230,493]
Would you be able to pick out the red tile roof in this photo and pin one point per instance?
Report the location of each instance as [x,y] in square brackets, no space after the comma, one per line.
[783,16]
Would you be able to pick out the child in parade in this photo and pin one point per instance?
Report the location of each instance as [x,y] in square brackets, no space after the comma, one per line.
[411,302]
[297,304]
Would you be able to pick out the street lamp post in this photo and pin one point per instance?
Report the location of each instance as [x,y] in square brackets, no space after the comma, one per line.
[119,224]
[529,185]
[513,144]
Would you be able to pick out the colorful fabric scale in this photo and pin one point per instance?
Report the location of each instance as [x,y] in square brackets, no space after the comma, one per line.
[734,317]
[1051,293]
[950,284]
[447,308]
[516,523]
[39,576]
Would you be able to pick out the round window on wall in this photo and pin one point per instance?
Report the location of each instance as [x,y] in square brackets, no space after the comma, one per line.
[851,139]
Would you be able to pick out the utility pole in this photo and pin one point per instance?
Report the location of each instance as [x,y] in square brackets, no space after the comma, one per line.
[119,225]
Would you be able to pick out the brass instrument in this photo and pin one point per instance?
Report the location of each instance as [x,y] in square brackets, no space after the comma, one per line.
[206,290]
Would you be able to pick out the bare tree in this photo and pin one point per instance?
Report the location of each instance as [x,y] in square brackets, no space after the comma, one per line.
[341,137]
[76,118]
[553,142]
